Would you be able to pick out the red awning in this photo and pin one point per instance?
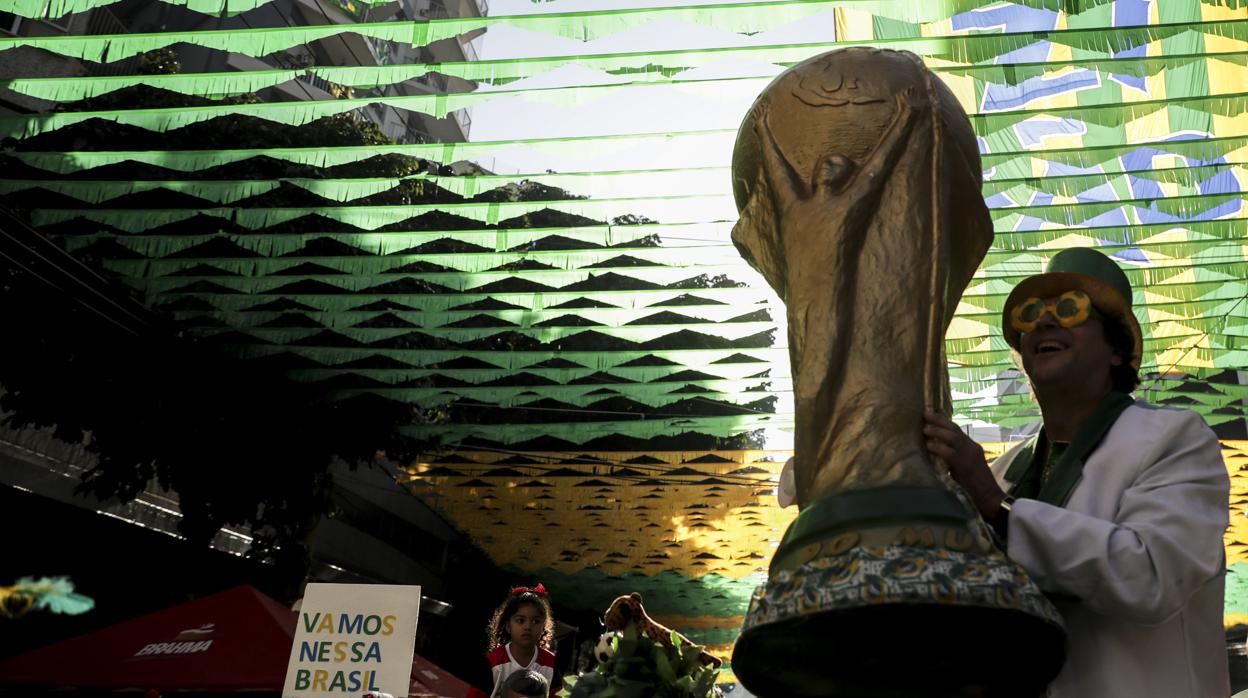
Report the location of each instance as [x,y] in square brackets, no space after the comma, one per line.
[236,640]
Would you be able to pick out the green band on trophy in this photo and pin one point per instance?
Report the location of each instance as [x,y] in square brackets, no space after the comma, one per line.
[853,511]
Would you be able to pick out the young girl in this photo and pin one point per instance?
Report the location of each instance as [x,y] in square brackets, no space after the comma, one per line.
[521,634]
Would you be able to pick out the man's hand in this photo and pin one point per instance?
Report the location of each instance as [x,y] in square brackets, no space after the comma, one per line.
[966,462]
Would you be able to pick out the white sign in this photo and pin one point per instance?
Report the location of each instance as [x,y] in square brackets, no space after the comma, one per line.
[351,639]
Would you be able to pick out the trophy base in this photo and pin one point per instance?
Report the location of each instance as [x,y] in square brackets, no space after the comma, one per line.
[896,592]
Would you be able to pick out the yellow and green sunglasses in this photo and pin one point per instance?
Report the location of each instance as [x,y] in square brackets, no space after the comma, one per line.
[1070,309]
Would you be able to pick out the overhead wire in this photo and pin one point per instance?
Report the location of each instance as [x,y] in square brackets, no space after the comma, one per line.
[82,277]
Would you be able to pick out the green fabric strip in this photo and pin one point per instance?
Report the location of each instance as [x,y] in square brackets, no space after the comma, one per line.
[713,142]
[632,316]
[1114,114]
[524,360]
[1158,278]
[1107,154]
[655,388]
[306,111]
[37,9]
[623,184]
[1222,352]
[1004,219]
[53,9]
[668,209]
[1206,254]
[211,85]
[1027,250]
[302,112]
[671,209]
[1069,185]
[459,282]
[632,333]
[744,18]
[715,146]
[651,299]
[581,431]
[541,311]
[718,426]
[650,394]
[591,261]
[709,247]
[666,64]
[658,67]
[397,244]
[253,42]
[653,381]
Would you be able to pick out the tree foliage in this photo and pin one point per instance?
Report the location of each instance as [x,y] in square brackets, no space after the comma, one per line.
[240,443]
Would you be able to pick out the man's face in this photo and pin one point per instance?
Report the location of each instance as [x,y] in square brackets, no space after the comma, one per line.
[1066,356]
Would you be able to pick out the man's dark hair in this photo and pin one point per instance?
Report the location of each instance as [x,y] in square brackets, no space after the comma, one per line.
[526,682]
[1124,378]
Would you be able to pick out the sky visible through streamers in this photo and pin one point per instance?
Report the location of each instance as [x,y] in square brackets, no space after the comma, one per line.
[672,109]
[640,110]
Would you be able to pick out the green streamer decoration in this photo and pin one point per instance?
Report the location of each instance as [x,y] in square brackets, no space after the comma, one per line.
[709,141]
[622,184]
[439,105]
[643,266]
[716,144]
[303,112]
[676,209]
[744,18]
[691,209]
[211,85]
[641,67]
[53,9]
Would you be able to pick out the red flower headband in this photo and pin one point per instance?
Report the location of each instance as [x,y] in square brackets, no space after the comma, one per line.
[539,590]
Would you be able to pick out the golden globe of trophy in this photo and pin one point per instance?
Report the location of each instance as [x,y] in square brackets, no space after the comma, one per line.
[858,181]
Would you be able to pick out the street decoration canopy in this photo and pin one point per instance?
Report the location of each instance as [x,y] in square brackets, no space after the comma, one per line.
[581,302]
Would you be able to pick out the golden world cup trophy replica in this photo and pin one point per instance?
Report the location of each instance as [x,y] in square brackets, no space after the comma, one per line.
[858,181]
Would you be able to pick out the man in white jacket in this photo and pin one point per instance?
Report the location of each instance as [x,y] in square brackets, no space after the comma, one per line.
[1116,508]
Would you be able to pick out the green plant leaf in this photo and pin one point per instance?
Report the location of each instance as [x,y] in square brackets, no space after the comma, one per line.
[664,666]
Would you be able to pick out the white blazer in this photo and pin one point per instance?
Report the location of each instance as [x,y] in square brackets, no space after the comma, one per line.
[1137,553]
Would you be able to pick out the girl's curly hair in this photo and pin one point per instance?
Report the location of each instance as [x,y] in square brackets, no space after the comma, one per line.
[496,631]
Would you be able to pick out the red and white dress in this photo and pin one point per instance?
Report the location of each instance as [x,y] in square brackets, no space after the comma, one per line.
[503,664]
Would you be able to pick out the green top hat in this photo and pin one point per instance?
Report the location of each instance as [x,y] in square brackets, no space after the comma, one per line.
[1087,270]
